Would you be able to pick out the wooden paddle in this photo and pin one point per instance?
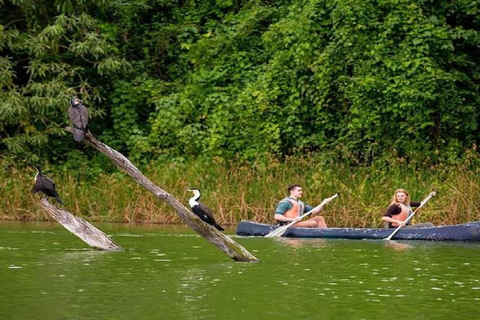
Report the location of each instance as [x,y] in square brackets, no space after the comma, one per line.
[281,230]
[424,201]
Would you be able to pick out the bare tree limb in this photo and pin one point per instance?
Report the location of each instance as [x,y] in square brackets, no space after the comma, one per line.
[81,228]
[212,235]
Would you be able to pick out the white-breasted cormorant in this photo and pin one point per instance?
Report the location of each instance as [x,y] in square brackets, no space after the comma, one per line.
[45,185]
[201,210]
[79,116]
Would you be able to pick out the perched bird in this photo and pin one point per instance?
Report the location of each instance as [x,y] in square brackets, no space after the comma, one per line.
[45,185]
[201,210]
[79,116]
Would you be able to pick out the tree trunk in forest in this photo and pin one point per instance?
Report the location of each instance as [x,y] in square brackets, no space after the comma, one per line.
[212,235]
[81,228]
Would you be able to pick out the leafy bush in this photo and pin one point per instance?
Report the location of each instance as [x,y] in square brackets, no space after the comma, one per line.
[359,79]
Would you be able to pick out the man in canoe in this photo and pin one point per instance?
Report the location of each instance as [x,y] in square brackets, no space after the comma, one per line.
[400,209]
[291,208]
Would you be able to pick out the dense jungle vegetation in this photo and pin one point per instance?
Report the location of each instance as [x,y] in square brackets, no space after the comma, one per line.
[360,83]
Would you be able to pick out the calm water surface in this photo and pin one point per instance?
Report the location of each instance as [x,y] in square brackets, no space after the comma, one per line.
[171,273]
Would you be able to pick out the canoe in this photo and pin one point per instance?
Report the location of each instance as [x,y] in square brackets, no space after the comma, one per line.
[459,232]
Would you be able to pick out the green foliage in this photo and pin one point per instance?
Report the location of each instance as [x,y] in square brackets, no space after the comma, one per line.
[129,113]
[43,66]
[214,112]
[365,78]
[243,79]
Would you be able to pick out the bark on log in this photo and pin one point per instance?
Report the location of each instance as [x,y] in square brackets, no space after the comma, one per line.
[81,228]
[212,235]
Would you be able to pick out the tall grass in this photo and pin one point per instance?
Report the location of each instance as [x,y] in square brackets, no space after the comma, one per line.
[251,192]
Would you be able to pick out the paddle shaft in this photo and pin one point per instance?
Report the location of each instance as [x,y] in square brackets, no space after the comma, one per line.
[281,230]
[424,201]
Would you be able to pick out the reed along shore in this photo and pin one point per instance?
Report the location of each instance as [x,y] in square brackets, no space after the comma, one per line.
[250,192]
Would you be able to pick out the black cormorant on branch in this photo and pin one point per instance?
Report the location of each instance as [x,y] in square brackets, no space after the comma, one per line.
[79,116]
[201,210]
[45,185]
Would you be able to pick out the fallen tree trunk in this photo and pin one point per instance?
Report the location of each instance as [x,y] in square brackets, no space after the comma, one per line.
[81,228]
[212,235]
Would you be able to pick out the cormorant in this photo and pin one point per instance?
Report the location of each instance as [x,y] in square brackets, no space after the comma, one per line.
[201,210]
[45,185]
[79,116]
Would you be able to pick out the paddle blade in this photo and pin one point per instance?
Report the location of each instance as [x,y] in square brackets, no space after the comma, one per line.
[277,232]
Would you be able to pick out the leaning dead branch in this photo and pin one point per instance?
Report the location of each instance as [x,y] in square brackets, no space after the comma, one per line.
[81,228]
[223,242]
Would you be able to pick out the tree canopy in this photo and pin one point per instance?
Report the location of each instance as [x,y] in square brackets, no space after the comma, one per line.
[241,79]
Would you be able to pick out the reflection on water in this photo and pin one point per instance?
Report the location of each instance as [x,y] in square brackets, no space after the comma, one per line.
[302,243]
[399,246]
[78,257]
[173,273]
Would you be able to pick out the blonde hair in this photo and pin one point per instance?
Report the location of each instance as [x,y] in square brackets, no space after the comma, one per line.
[394,198]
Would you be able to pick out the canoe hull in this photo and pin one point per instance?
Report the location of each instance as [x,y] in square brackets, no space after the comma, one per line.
[459,232]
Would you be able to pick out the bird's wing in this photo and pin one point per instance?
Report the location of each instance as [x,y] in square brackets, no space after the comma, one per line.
[83,112]
[79,116]
[47,187]
[74,116]
[206,210]
[49,180]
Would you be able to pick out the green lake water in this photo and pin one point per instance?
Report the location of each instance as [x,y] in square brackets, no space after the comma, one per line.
[169,272]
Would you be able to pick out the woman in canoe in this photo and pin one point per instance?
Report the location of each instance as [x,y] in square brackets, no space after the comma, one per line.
[400,209]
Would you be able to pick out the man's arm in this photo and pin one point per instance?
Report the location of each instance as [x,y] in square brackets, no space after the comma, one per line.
[281,217]
[308,208]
